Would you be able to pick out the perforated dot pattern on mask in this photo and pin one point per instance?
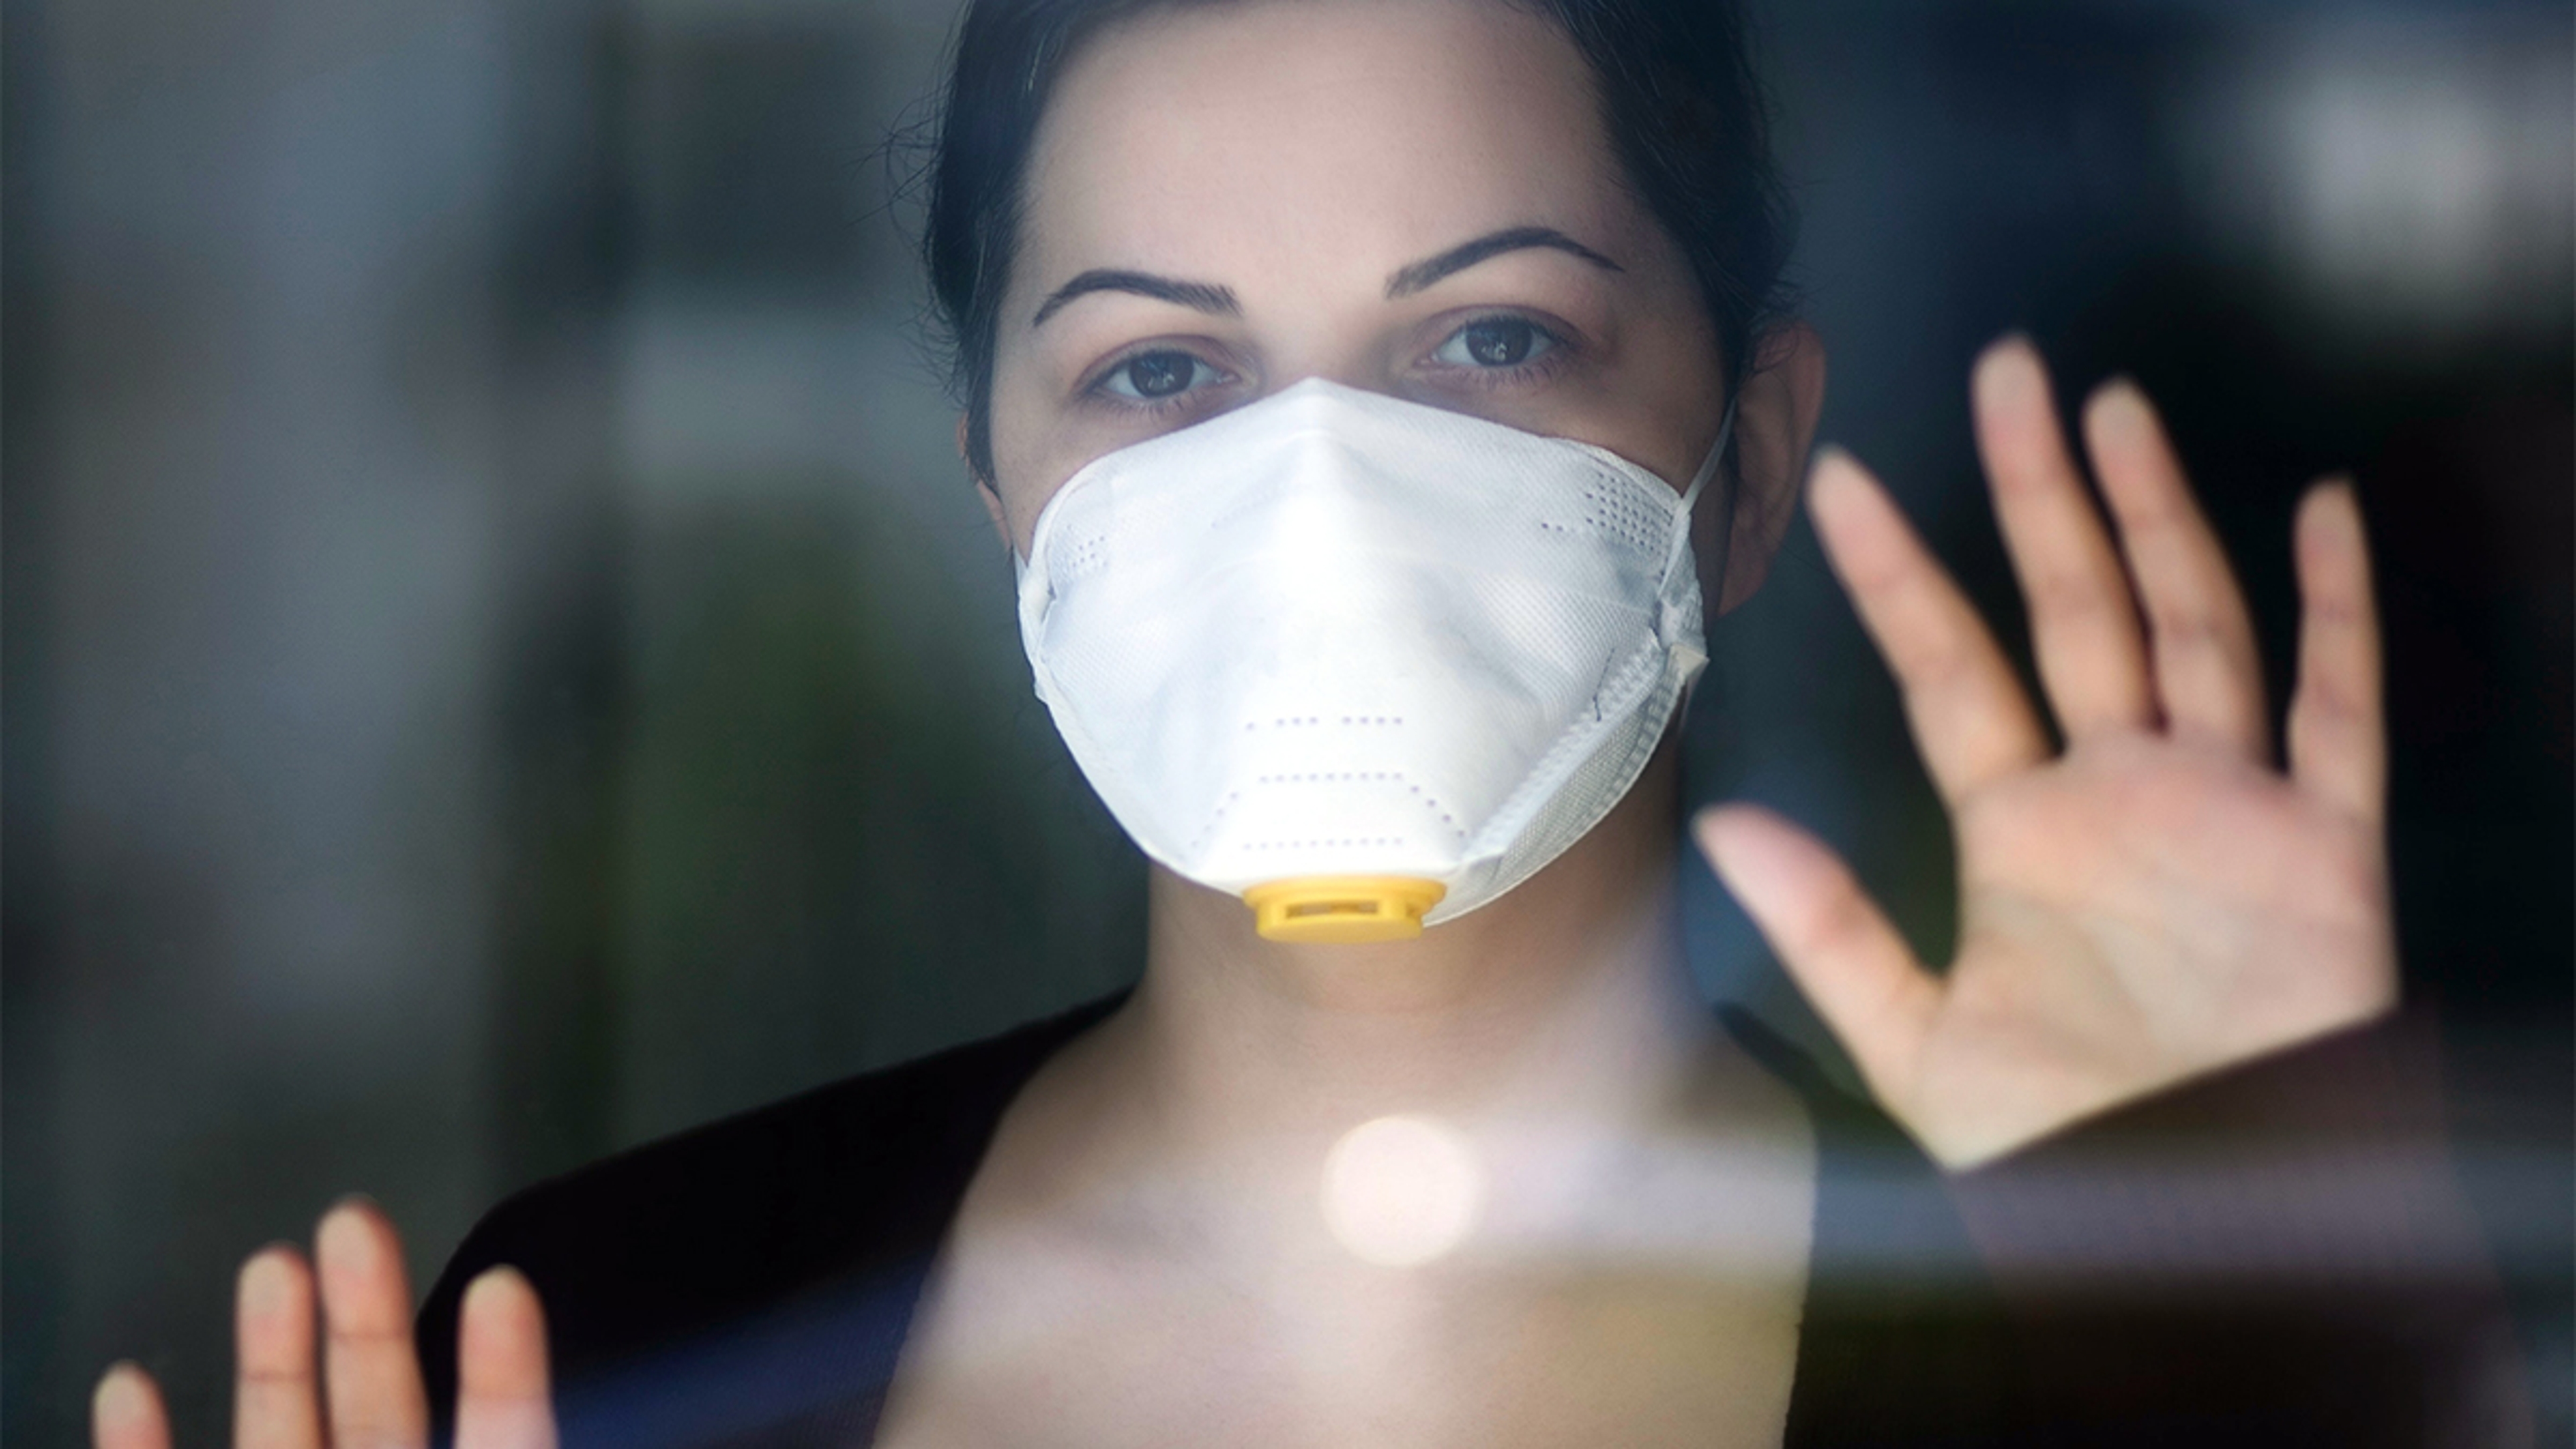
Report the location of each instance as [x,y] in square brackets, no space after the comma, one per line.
[1348,719]
[1618,515]
[1081,557]
[1426,800]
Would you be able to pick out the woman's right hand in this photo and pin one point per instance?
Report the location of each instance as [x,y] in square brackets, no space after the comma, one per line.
[368,1394]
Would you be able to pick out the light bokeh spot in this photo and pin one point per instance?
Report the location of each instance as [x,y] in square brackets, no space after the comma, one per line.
[1401,1191]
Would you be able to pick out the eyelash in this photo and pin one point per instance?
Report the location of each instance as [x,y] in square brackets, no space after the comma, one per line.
[1097,389]
[1559,351]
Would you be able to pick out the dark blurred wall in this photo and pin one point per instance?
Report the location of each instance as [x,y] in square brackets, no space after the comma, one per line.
[252,452]
[501,661]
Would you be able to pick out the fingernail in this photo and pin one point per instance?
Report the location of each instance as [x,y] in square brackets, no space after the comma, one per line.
[121,1397]
[266,1282]
[2334,503]
[343,1239]
[490,1281]
[1836,471]
[1704,833]
[2119,403]
[2010,365]
[1709,827]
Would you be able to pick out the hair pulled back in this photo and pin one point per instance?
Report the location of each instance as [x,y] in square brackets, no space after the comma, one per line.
[1687,118]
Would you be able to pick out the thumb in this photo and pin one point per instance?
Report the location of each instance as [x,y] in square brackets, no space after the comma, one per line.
[1836,943]
[501,1400]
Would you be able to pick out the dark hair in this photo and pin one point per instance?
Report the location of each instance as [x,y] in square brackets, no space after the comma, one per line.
[1687,117]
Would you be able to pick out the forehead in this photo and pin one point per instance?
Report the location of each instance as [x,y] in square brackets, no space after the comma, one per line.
[1316,136]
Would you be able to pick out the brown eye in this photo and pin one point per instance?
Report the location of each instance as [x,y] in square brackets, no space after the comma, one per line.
[1155,375]
[1492,342]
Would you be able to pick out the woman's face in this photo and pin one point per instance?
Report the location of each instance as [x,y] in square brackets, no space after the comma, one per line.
[1416,197]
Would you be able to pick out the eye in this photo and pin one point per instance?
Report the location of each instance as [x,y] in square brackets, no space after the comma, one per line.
[1494,342]
[1155,376]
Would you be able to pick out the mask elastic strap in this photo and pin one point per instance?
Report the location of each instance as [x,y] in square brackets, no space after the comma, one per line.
[1690,497]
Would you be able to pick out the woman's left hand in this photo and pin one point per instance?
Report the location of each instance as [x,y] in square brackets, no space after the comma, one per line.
[2154,901]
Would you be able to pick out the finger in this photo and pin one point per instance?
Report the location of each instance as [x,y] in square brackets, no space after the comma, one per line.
[2338,738]
[2208,676]
[376,1399]
[2083,626]
[501,1400]
[276,1401]
[1970,717]
[1833,939]
[125,1411]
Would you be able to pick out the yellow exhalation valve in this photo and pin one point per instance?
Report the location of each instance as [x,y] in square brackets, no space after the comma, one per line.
[1342,909]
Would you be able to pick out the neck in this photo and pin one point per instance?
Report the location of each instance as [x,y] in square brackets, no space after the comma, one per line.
[1566,998]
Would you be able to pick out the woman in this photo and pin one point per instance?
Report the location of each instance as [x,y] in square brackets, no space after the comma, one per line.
[1277,323]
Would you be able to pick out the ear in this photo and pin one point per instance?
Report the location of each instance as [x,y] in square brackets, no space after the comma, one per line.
[983,487]
[1775,422]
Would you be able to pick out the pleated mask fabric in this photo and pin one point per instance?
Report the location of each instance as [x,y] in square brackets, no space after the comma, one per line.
[1335,633]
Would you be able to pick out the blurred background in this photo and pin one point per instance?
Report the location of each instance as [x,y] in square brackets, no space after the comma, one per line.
[502,661]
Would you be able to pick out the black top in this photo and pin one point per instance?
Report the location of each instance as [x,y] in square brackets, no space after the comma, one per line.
[2274,1255]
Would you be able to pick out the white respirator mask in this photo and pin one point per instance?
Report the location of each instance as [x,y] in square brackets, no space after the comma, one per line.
[1365,663]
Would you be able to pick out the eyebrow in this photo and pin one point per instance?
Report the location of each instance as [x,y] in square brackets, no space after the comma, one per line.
[1413,278]
[1197,296]
[1220,301]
